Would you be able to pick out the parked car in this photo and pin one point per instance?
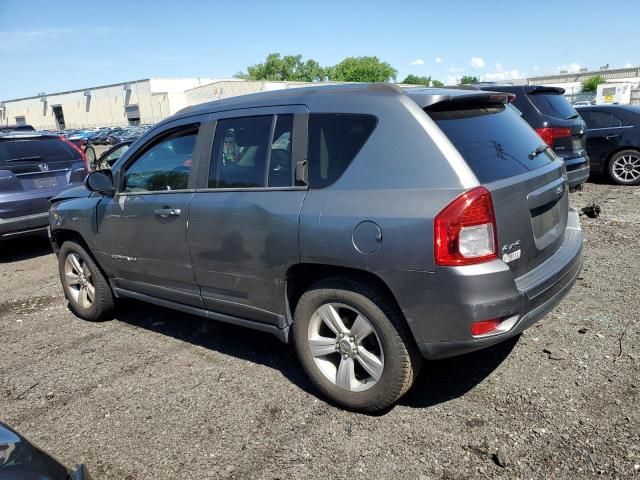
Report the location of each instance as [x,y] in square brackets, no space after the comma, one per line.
[20,460]
[108,158]
[33,168]
[16,128]
[556,121]
[391,225]
[613,141]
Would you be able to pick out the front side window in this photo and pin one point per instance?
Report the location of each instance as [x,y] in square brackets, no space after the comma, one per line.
[615,121]
[165,166]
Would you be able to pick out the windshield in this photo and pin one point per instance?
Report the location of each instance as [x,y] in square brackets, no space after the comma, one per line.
[553,104]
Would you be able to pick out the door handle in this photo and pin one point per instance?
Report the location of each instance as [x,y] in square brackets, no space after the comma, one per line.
[168,212]
[612,137]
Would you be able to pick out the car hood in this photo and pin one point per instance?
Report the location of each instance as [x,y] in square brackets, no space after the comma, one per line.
[75,192]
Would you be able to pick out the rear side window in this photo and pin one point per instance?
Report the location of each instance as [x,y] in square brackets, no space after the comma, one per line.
[36,150]
[553,104]
[493,139]
[334,141]
[240,152]
[596,119]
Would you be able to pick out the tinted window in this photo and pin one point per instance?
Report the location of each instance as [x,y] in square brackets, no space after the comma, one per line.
[164,166]
[615,121]
[280,169]
[553,104]
[493,139]
[240,152]
[334,141]
[115,155]
[596,119]
[46,149]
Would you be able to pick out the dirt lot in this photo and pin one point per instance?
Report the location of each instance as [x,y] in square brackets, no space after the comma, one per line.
[157,394]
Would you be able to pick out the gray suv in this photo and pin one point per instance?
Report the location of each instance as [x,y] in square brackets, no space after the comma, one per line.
[367,225]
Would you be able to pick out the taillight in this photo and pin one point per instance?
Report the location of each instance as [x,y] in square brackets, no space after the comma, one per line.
[465,230]
[483,327]
[79,150]
[548,134]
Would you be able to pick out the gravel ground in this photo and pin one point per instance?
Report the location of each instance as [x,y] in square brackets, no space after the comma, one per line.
[157,394]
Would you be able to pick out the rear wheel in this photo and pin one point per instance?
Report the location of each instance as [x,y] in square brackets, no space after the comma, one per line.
[86,289]
[354,346]
[624,167]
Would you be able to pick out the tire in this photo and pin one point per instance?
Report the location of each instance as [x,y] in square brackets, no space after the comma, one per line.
[398,360]
[73,258]
[624,167]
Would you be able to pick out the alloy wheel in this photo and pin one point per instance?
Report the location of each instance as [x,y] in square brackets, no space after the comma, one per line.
[79,280]
[345,347]
[626,168]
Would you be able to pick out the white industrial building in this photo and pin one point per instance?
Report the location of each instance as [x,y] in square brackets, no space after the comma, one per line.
[128,103]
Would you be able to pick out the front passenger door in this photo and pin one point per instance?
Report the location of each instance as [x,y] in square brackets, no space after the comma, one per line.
[143,228]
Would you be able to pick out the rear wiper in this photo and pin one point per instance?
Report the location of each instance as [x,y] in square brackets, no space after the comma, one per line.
[21,159]
[538,151]
[573,116]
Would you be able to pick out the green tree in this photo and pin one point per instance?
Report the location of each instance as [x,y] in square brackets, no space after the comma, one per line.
[591,84]
[467,80]
[415,80]
[289,67]
[437,83]
[362,69]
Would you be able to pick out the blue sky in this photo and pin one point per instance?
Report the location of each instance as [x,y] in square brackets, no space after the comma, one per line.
[48,46]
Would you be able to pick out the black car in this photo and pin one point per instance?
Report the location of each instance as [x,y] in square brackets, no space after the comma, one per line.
[556,121]
[613,141]
[20,460]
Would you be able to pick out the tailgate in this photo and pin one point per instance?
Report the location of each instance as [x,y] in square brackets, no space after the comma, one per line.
[527,182]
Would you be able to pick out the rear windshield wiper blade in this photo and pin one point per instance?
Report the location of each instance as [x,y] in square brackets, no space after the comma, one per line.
[573,116]
[538,151]
[22,159]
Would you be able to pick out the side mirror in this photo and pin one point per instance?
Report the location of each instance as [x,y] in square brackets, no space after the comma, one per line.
[90,153]
[100,181]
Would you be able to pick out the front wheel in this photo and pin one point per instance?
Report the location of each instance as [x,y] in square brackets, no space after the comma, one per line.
[624,167]
[354,345]
[84,285]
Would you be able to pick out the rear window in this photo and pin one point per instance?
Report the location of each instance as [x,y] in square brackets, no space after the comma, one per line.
[553,104]
[493,139]
[334,141]
[37,150]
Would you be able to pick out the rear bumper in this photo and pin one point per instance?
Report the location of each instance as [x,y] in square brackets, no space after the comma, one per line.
[13,227]
[577,171]
[458,296]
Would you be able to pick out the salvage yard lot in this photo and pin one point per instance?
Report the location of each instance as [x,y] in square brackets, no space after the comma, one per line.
[157,394]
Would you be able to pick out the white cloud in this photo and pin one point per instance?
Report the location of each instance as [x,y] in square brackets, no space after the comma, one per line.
[572,67]
[455,70]
[477,62]
[502,75]
[439,60]
[452,80]
[417,61]
[498,67]
[628,65]
[536,68]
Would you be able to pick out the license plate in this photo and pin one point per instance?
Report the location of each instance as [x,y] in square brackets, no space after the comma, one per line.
[45,182]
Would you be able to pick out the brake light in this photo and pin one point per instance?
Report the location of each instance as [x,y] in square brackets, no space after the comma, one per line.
[484,326]
[465,230]
[79,150]
[549,134]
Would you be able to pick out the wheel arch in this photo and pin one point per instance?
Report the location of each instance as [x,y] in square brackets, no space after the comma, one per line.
[58,237]
[301,276]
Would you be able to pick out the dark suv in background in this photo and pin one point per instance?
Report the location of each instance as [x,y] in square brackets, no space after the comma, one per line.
[368,225]
[34,167]
[556,121]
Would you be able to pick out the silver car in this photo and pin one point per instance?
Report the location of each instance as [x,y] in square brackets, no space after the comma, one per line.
[369,226]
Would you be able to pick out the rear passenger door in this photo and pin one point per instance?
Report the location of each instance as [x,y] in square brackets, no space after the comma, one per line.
[243,219]
[604,134]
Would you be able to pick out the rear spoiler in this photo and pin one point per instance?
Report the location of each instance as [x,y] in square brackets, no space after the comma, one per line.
[546,89]
[429,99]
